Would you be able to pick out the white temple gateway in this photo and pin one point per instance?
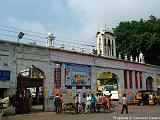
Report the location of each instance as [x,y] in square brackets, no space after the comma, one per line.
[23,66]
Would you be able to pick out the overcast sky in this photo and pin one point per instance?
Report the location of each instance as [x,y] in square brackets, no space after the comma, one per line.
[78,20]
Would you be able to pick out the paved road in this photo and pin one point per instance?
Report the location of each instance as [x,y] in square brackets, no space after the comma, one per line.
[135,113]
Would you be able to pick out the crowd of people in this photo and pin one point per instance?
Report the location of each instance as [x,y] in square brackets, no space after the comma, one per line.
[89,102]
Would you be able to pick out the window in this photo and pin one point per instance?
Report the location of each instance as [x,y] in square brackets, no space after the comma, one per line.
[99,41]
[109,42]
[105,42]
[125,79]
[130,79]
[57,76]
[149,83]
[112,48]
[136,79]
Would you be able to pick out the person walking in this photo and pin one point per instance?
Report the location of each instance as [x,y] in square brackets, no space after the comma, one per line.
[57,103]
[93,103]
[124,103]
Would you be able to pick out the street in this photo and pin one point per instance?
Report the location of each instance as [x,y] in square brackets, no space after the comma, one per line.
[135,113]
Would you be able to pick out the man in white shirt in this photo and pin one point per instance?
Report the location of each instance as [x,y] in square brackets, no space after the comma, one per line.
[88,103]
[124,103]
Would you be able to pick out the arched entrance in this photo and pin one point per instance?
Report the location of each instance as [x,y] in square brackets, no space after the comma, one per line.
[149,81]
[108,83]
[29,90]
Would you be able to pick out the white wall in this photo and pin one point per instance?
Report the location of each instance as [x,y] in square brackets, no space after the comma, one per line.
[20,57]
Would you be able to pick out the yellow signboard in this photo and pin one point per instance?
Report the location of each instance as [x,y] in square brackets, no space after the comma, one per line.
[158,81]
[105,75]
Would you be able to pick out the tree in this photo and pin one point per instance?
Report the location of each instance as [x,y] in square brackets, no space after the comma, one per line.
[136,36]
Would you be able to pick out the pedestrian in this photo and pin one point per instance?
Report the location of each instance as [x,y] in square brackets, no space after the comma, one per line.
[88,103]
[57,103]
[158,95]
[98,102]
[124,103]
[76,101]
[80,101]
[61,103]
[93,103]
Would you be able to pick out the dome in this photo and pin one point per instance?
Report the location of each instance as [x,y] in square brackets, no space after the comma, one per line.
[103,30]
[50,34]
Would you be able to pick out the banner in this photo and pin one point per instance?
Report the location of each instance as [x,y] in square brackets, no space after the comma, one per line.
[105,75]
[77,75]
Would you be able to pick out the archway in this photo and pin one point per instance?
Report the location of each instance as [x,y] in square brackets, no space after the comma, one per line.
[149,81]
[108,84]
[30,90]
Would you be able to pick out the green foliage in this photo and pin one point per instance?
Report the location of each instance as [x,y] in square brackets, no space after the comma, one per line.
[136,36]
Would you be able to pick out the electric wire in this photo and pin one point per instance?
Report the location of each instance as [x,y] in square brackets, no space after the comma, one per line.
[43,42]
[45,38]
[41,34]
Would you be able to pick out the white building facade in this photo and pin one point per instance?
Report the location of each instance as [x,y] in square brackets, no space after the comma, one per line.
[57,64]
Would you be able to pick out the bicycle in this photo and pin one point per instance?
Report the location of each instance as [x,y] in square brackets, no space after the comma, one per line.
[69,108]
[73,108]
[105,109]
[111,108]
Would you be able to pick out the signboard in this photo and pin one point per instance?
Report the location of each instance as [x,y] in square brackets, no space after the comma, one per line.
[104,75]
[77,75]
[5,75]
